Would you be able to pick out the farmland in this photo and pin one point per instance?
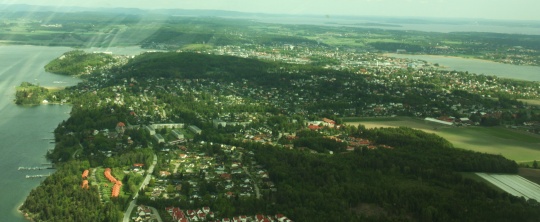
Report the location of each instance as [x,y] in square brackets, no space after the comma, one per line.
[514,184]
[512,144]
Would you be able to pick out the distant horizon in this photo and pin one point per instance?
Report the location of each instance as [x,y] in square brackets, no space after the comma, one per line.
[518,10]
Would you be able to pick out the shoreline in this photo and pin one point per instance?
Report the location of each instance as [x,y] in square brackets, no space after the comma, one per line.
[25,215]
[445,56]
[54,87]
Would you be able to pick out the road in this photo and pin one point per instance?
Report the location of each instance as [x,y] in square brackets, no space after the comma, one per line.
[143,185]
[257,192]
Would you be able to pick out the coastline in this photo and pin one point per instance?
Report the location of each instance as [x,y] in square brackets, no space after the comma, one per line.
[444,56]
[24,214]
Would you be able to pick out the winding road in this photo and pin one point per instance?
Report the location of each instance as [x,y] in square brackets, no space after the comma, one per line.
[143,185]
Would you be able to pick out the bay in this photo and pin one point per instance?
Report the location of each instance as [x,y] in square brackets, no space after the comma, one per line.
[478,66]
[26,131]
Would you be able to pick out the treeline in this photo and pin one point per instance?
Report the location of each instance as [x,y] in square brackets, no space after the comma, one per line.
[315,141]
[78,62]
[418,181]
[61,198]
[192,65]
[417,149]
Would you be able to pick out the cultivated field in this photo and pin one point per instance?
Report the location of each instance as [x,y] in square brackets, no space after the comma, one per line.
[514,184]
[512,144]
[534,102]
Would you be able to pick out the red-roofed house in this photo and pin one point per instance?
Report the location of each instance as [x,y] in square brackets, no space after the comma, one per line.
[201,216]
[243,218]
[206,210]
[120,127]
[314,127]
[259,217]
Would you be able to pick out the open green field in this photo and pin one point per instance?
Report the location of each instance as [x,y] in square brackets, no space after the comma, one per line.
[534,102]
[512,144]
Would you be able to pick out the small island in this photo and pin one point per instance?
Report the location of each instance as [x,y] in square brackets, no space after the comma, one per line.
[30,94]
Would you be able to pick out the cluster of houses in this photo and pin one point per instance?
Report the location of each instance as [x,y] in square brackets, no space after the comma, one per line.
[206,215]
[202,214]
[226,170]
[85,179]
[143,214]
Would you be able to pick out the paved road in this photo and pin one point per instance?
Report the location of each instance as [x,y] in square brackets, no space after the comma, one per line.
[257,192]
[143,185]
[155,214]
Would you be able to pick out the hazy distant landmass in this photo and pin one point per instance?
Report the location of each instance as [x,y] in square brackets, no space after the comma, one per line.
[401,23]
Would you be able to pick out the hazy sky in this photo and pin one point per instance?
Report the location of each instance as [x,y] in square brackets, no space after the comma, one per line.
[488,9]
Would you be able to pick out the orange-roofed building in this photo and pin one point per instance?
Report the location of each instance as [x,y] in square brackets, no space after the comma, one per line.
[85,174]
[329,121]
[85,184]
[108,175]
[116,189]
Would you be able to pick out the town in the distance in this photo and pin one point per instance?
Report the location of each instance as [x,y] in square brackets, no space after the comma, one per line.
[236,120]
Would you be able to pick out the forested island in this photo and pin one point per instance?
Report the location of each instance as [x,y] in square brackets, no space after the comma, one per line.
[30,94]
[245,137]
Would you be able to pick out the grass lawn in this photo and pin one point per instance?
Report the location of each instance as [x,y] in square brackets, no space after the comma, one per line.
[512,144]
[534,102]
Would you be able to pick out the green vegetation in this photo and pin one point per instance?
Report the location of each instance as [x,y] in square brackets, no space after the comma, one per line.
[513,144]
[413,182]
[156,31]
[253,114]
[78,62]
[61,198]
[30,94]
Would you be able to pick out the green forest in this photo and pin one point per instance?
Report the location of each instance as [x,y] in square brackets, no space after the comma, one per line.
[78,62]
[418,178]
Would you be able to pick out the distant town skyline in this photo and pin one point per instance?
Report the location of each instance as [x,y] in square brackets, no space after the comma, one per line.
[477,9]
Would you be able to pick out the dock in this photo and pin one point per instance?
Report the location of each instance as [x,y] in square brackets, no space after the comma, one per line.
[37,176]
[32,168]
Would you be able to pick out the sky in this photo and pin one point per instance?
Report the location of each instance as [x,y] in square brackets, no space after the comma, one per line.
[475,9]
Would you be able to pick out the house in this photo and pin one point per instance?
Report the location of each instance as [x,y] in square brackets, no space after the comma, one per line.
[85,184]
[150,130]
[281,218]
[176,213]
[159,138]
[314,127]
[120,127]
[177,134]
[85,174]
[195,129]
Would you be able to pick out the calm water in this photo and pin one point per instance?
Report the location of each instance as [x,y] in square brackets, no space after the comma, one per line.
[468,26]
[531,73]
[25,131]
